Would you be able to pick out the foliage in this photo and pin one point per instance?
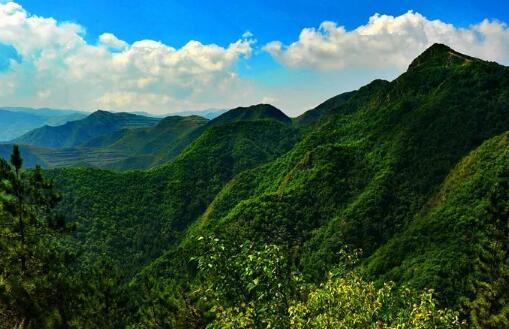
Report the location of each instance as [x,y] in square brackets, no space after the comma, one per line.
[32,262]
[246,286]
[254,287]
[349,302]
[490,308]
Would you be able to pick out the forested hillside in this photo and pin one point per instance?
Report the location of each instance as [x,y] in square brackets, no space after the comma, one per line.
[151,209]
[384,207]
[124,141]
[79,132]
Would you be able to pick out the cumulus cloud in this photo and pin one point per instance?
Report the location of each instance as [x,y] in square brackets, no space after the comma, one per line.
[57,67]
[388,41]
[109,40]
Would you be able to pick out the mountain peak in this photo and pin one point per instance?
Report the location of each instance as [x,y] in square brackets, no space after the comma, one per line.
[254,112]
[438,48]
[100,113]
[439,55]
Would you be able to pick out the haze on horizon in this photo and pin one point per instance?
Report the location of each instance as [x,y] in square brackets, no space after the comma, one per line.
[165,58]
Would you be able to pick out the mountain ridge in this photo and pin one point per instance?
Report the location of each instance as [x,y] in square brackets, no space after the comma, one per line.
[78,132]
[401,173]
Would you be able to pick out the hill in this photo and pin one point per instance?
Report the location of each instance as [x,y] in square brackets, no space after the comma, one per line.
[173,149]
[143,146]
[79,132]
[443,245]
[251,113]
[151,209]
[120,143]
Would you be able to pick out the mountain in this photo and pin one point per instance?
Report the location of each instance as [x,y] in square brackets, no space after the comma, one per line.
[174,147]
[120,145]
[364,175]
[15,122]
[450,233]
[143,146]
[208,114]
[79,132]
[44,111]
[409,173]
[148,140]
[116,148]
[251,113]
[153,207]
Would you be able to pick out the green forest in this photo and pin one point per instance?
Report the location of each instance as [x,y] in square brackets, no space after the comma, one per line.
[384,207]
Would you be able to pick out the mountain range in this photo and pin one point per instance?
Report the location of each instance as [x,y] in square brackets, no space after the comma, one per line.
[114,140]
[404,172]
[16,121]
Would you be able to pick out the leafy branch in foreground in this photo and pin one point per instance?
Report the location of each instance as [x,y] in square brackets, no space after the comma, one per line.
[349,302]
[249,286]
[246,286]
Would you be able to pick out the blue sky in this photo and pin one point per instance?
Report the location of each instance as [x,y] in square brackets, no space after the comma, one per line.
[213,21]
[137,55]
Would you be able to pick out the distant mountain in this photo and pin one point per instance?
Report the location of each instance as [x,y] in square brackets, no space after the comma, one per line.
[252,113]
[16,121]
[258,112]
[44,111]
[143,147]
[123,141]
[140,148]
[208,114]
[147,140]
[79,132]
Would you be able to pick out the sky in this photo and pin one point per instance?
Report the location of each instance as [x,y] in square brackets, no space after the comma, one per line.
[171,56]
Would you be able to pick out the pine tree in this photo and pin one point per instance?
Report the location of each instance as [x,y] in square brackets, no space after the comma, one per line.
[32,260]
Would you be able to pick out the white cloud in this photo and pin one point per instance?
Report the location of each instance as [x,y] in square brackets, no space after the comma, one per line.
[57,67]
[109,40]
[388,41]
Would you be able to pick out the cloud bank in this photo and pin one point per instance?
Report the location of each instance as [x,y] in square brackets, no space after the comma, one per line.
[55,66]
[388,41]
